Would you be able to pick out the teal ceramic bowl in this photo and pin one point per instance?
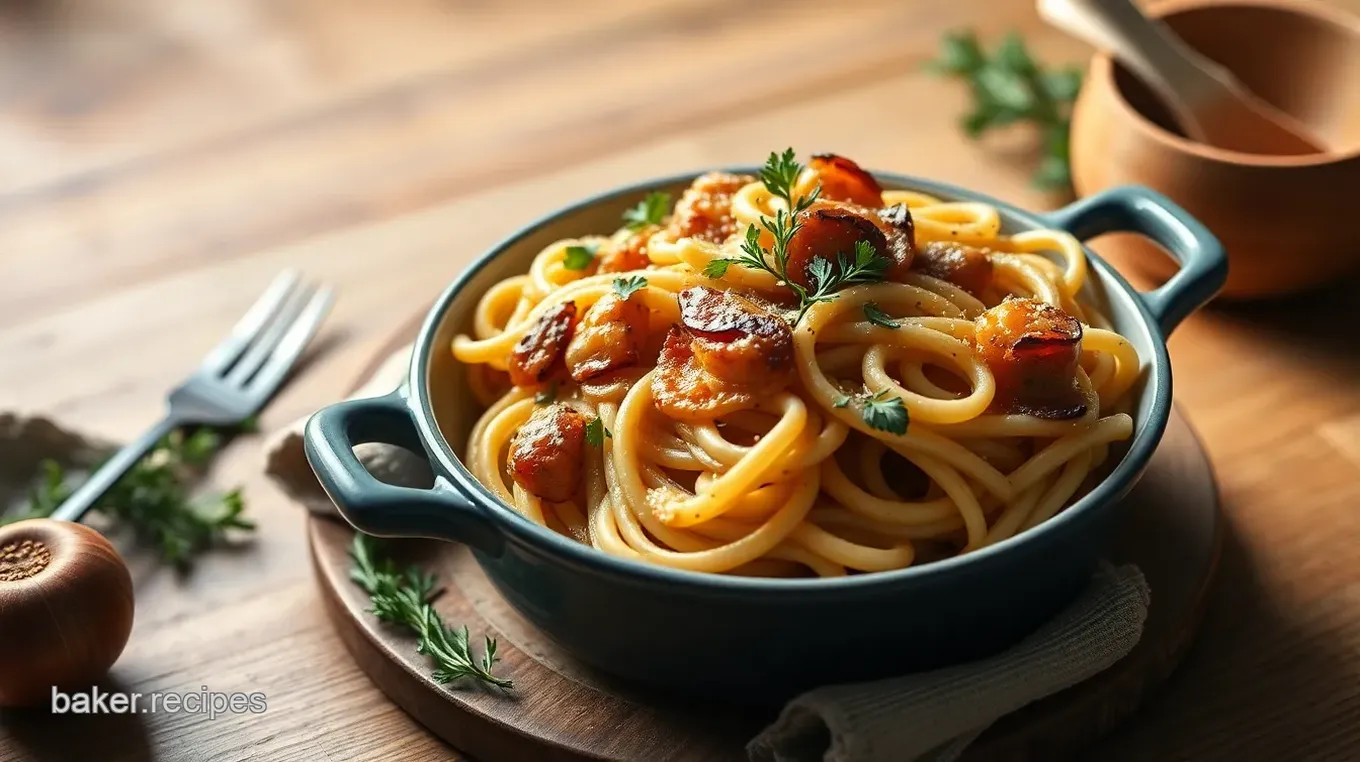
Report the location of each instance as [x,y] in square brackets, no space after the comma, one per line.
[759,639]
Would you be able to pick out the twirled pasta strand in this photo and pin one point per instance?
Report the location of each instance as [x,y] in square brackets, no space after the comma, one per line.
[803,482]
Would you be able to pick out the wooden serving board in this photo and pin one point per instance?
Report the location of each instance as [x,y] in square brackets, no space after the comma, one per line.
[562,710]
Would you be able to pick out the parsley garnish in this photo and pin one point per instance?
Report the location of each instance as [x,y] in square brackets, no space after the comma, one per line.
[879,317]
[716,268]
[625,287]
[153,498]
[827,279]
[1011,87]
[404,598]
[885,413]
[596,432]
[579,257]
[841,401]
[547,395]
[779,175]
[649,211]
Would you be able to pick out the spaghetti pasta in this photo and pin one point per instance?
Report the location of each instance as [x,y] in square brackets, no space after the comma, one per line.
[800,373]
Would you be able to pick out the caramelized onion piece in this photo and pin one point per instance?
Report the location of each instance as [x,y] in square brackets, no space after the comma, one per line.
[705,209]
[610,336]
[547,454]
[537,356]
[896,223]
[967,267]
[727,355]
[830,229]
[628,254]
[844,180]
[736,340]
[1032,349]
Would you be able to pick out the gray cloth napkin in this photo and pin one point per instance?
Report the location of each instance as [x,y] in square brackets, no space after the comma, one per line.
[926,717]
[933,716]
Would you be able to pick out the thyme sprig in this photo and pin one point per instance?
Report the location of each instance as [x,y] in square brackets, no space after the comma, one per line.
[404,598]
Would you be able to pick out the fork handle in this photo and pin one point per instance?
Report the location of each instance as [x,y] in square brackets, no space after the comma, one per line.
[75,506]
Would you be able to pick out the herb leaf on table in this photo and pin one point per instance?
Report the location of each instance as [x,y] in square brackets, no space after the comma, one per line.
[153,499]
[1010,87]
[404,598]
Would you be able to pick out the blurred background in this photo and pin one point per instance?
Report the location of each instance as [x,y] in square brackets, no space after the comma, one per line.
[151,148]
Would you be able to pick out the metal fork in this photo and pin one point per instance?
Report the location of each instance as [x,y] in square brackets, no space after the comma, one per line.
[232,383]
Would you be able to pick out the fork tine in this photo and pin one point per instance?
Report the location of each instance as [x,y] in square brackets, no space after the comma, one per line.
[265,341]
[291,346]
[229,349]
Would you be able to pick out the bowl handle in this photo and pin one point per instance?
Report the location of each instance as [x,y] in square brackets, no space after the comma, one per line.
[1135,209]
[378,508]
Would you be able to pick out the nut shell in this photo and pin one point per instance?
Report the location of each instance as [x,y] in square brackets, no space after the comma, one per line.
[66,609]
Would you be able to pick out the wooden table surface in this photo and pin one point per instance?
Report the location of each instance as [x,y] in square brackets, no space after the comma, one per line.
[161,160]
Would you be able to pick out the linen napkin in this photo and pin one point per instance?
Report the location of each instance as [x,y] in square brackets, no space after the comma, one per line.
[926,717]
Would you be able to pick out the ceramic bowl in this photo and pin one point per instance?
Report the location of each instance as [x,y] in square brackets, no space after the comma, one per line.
[756,639]
[1286,222]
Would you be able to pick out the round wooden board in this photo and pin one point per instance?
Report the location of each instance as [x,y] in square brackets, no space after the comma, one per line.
[562,710]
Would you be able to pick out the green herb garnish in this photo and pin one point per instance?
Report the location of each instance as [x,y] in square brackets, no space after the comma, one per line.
[649,211]
[579,257]
[841,401]
[596,432]
[827,279]
[625,287]
[779,175]
[885,413]
[717,268]
[404,599]
[878,317]
[153,499]
[1011,87]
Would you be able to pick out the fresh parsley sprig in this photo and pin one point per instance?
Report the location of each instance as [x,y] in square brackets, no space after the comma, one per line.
[879,411]
[1010,87]
[875,314]
[779,175]
[885,413]
[404,599]
[649,211]
[626,287]
[826,277]
[579,257]
[153,498]
[596,432]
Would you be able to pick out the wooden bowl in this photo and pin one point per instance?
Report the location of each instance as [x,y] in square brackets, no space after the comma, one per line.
[1288,222]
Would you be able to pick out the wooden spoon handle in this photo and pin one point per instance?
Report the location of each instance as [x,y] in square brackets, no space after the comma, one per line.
[1182,78]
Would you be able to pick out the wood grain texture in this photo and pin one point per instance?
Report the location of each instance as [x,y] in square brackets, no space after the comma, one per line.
[160,161]
[564,711]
